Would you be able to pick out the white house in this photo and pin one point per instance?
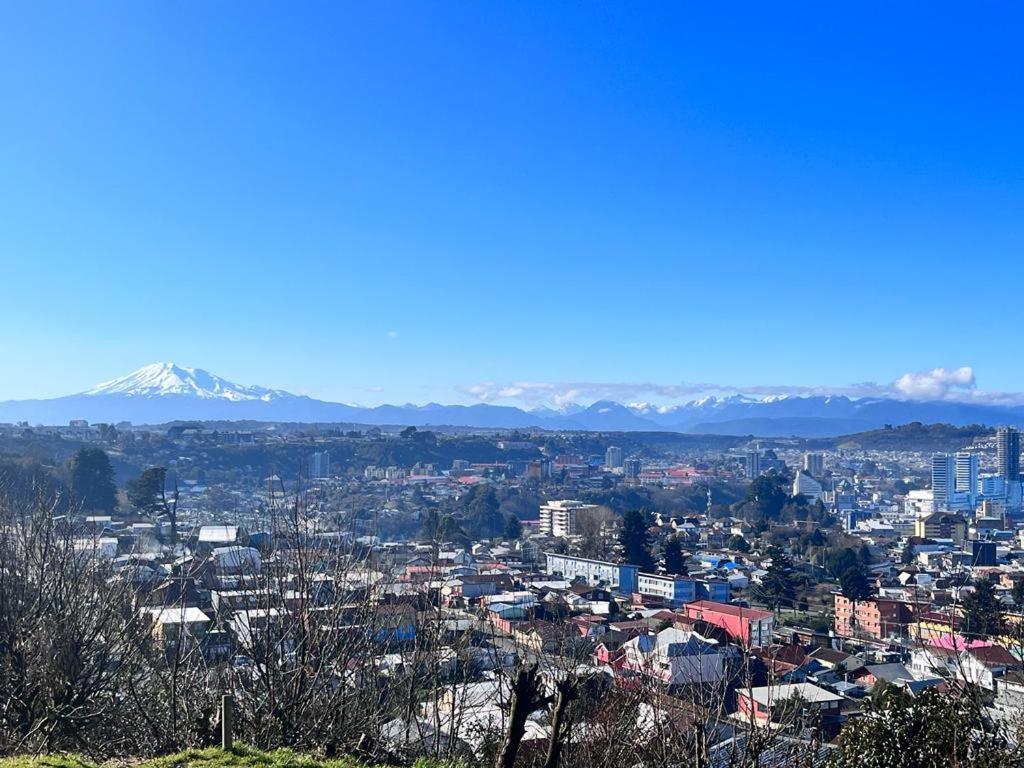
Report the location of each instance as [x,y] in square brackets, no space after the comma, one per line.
[675,657]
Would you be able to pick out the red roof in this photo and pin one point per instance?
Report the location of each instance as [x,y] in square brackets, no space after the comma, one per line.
[727,609]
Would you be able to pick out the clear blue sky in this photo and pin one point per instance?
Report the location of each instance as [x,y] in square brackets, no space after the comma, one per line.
[395,201]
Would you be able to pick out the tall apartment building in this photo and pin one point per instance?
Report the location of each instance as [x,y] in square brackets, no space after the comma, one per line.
[753,464]
[614,457]
[1008,453]
[943,480]
[558,518]
[632,467]
[814,464]
[966,485]
[319,465]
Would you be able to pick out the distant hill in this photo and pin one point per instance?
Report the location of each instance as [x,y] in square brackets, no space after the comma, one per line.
[909,437]
[164,392]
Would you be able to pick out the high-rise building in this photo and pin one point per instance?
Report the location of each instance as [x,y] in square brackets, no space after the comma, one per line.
[1008,453]
[966,466]
[814,464]
[613,457]
[319,465]
[943,480]
[753,464]
[632,467]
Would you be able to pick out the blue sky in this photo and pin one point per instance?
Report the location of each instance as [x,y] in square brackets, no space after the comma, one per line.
[397,202]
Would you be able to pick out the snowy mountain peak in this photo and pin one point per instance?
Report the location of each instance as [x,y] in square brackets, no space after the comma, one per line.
[160,379]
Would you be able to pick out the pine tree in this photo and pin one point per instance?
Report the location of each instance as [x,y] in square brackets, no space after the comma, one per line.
[855,584]
[92,480]
[777,587]
[982,611]
[907,555]
[675,559]
[513,528]
[635,540]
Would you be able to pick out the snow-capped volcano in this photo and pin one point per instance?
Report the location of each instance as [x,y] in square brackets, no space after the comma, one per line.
[165,392]
[160,379]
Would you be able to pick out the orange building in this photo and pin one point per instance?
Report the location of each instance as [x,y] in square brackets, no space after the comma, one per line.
[878,617]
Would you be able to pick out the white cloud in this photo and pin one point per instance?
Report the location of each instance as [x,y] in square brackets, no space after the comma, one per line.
[935,384]
[954,384]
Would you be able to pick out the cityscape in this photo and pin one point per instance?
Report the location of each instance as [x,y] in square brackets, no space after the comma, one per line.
[534,385]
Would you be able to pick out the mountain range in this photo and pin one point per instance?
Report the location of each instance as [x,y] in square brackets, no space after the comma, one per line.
[163,392]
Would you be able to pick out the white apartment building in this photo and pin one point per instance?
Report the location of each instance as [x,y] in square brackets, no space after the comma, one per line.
[558,518]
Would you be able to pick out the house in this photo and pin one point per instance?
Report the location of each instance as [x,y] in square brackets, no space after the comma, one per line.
[541,636]
[675,657]
[784,663]
[748,626]
[173,624]
[771,706]
[211,536]
[891,673]
[981,664]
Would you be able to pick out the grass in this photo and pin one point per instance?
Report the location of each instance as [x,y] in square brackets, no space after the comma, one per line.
[240,756]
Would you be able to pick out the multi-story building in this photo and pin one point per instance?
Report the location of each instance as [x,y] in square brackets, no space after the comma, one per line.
[1008,453]
[591,571]
[942,525]
[628,579]
[632,468]
[614,457]
[320,465]
[814,464]
[966,486]
[804,484]
[558,518]
[943,480]
[876,617]
[753,464]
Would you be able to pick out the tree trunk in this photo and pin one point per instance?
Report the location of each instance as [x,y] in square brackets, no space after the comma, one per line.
[526,699]
[565,691]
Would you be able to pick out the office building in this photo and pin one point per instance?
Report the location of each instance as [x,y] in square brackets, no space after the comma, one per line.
[966,479]
[613,457]
[1008,453]
[943,480]
[319,465]
[814,464]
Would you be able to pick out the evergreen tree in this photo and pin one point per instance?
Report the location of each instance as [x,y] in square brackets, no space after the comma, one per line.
[778,585]
[907,555]
[737,543]
[924,731]
[1018,592]
[982,611]
[148,493]
[92,480]
[513,528]
[675,558]
[855,584]
[635,540]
